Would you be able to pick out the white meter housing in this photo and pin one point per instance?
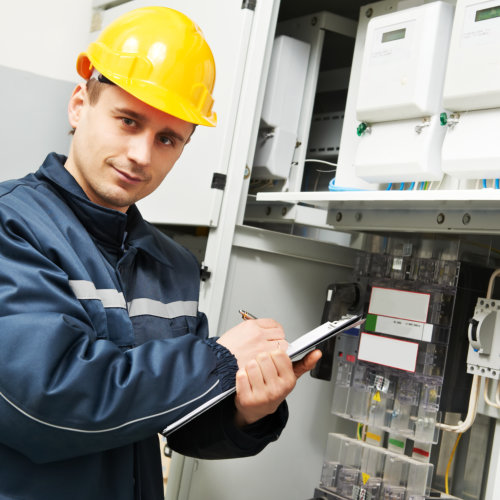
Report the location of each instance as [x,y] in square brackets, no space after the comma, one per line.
[281,108]
[404,63]
[473,71]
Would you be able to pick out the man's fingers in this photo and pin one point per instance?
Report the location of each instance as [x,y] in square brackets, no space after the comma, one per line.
[307,363]
[272,330]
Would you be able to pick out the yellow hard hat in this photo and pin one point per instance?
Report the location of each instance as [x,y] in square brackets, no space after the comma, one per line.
[161,57]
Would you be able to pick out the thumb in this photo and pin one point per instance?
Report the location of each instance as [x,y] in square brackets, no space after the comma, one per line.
[307,363]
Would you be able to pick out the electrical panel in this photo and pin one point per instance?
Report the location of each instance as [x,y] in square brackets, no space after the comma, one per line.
[399,372]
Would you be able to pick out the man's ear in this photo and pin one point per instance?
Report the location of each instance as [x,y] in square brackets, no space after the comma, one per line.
[76,103]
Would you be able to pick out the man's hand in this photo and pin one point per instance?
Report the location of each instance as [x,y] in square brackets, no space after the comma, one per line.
[266,381]
[266,374]
[250,338]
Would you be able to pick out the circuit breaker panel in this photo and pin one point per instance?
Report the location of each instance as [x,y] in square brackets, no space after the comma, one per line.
[399,373]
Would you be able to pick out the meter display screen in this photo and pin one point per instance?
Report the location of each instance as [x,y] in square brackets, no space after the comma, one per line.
[390,36]
[484,14]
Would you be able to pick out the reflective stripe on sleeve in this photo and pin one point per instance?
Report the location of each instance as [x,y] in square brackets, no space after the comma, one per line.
[86,290]
[141,307]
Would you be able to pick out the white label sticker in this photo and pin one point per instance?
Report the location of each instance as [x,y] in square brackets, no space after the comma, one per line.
[385,351]
[411,306]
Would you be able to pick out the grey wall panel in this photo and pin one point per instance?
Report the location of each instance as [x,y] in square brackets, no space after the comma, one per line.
[34,120]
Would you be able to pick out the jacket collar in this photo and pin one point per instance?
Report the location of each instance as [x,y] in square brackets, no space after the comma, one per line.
[109,227]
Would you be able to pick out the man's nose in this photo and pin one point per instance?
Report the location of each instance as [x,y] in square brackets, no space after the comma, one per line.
[140,148]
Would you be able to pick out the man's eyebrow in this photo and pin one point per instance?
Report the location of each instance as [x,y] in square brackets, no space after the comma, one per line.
[143,118]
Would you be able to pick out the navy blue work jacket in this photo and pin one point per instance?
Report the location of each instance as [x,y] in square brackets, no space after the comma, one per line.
[102,346]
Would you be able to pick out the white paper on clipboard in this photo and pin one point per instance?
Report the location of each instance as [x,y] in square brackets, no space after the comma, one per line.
[296,349]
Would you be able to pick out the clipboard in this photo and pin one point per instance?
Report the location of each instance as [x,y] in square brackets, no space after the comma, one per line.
[296,349]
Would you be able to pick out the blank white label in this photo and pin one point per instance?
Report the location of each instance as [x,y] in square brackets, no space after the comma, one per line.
[399,304]
[385,351]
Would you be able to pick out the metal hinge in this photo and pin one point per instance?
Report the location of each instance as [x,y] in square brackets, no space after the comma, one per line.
[205,273]
[249,4]
[219,181]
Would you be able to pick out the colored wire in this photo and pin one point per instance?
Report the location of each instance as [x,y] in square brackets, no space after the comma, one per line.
[497,183]
[360,427]
[448,467]
[402,186]
[412,186]
[389,186]
[484,184]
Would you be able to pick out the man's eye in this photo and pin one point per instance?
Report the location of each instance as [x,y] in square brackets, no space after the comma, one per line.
[128,121]
[165,140]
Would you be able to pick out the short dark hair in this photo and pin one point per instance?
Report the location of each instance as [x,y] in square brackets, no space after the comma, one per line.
[94,89]
[95,86]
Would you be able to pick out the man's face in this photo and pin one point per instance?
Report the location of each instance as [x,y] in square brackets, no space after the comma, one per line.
[122,148]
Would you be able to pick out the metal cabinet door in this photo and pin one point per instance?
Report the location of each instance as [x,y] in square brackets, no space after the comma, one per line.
[186,197]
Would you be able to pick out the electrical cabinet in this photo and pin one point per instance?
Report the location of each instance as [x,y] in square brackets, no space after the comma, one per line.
[275,245]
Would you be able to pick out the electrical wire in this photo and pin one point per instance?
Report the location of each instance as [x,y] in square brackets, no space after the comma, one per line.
[491,283]
[358,431]
[448,467]
[486,395]
[471,412]
[314,160]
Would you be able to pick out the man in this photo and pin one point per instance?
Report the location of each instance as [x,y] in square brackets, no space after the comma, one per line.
[102,342]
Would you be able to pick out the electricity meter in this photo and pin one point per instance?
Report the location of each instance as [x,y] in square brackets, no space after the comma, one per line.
[403,64]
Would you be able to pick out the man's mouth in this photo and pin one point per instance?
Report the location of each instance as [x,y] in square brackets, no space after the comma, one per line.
[128,177]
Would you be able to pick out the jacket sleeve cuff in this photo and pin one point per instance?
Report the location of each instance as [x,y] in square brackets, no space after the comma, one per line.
[260,433]
[226,366]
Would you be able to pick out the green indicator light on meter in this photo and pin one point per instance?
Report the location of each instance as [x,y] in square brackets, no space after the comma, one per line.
[443,118]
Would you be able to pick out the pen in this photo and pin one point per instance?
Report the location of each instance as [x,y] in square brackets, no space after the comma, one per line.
[246,314]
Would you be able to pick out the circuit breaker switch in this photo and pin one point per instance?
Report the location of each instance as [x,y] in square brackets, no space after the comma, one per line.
[481,331]
[483,357]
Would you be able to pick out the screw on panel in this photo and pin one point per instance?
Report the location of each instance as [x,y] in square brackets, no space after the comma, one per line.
[369,12]
[338,216]
[466,219]
[314,21]
[358,216]
[440,218]
[268,210]
[283,211]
